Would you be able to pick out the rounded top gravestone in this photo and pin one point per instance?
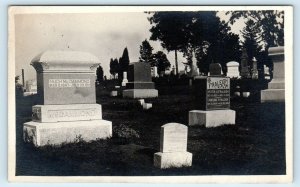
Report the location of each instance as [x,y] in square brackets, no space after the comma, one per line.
[65,77]
[232,63]
[173,137]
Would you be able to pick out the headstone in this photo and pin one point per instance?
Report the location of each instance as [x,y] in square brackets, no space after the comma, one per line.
[246,94]
[31,88]
[140,83]
[233,69]
[125,80]
[142,101]
[147,106]
[173,147]
[212,100]
[67,106]
[267,72]
[215,69]
[276,88]
[244,64]
[154,71]
[114,93]
[254,69]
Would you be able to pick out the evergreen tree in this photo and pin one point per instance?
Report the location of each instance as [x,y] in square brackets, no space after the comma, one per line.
[146,52]
[99,73]
[123,63]
[114,67]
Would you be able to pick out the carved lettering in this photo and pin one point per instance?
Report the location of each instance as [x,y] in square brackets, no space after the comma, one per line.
[71,113]
[69,83]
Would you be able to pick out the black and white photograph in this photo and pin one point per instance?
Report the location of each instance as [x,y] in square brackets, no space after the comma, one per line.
[152,94]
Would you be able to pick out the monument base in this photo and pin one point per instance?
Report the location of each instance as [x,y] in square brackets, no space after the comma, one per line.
[172,160]
[272,95]
[212,118]
[140,93]
[41,134]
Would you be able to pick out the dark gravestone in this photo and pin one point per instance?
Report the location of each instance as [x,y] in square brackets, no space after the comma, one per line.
[215,69]
[140,83]
[139,76]
[212,93]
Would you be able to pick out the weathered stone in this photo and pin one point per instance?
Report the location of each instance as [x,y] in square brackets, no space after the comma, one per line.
[67,109]
[125,80]
[140,93]
[41,134]
[147,106]
[70,73]
[57,113]
[213,118]
[173,147]
[276,88]
[173,138]
[169,160]
[233,69]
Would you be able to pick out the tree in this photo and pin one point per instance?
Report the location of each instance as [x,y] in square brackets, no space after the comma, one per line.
[114,67]
[270,23]
[161,61]
[146,52]
[123,63]
[251,39]
[99,73]
[201,32]
[168,27]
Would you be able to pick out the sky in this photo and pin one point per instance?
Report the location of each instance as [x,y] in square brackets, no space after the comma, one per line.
[105,35]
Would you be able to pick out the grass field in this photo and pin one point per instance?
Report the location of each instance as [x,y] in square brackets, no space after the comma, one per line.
[254,146]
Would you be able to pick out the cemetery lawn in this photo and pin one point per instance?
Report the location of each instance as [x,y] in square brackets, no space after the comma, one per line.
[254,146]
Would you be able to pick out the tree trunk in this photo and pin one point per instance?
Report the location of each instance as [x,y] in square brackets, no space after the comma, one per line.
[176,62]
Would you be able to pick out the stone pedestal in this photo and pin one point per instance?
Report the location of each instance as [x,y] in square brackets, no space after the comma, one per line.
[173,147]
[276,88]
[140,83]
[67,110]
[213,118]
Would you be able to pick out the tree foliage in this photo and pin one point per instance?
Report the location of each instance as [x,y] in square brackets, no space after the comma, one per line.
[123,63]
[99,73]
[269,22]
[114,67]
[146,52]
[161,61]
[201,32]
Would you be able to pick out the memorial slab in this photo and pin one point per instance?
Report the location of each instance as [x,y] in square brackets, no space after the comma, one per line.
[140,83]
[212,101]
[173,147]
[233,69]
[67,106]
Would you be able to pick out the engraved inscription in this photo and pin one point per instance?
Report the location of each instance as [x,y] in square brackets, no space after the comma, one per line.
[69,83]
[71,113]
[218,83]
[218,93]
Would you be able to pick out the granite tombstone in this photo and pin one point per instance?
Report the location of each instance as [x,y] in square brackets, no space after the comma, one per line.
[140,83]
[67,106]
